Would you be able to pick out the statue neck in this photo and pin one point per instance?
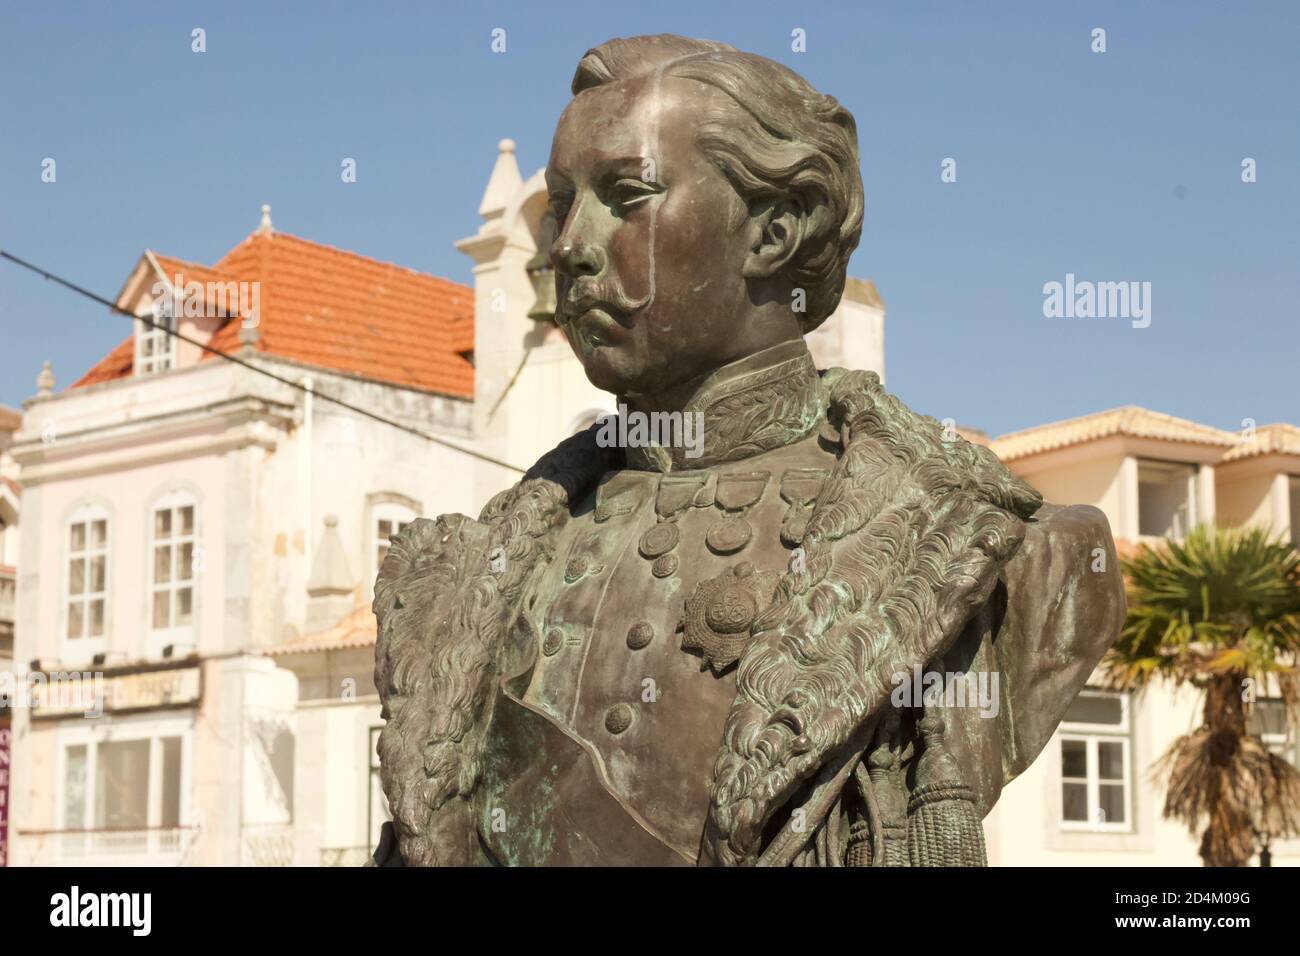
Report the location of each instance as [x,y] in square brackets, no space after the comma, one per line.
[764,401]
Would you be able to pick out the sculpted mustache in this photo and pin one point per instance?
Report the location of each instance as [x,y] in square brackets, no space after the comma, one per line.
[609,292]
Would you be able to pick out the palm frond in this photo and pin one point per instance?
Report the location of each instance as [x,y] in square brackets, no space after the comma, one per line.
[1219,610]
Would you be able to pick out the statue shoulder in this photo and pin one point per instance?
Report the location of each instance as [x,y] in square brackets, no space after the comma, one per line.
[429,556]
[1065,606]
[1069,543]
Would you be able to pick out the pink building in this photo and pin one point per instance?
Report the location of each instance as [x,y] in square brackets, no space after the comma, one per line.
[187,520]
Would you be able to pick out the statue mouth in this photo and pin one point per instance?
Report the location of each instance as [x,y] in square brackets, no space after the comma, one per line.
[596,312]
[592,328]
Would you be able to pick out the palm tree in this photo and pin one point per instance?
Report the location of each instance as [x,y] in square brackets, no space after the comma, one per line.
[1219,611]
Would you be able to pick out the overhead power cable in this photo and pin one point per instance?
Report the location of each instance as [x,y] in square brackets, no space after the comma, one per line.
[409,429]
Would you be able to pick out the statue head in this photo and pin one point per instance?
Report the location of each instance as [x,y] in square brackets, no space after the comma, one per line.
[707,203]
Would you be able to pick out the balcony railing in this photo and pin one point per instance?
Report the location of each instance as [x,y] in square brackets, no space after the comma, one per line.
[269,845]
[111,846]
[344,856]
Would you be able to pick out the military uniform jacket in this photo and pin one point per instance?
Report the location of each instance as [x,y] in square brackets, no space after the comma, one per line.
[639,657]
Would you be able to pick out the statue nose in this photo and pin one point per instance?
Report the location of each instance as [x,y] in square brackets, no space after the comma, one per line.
[577,259]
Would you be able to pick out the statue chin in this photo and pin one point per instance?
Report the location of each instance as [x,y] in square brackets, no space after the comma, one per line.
[607,369]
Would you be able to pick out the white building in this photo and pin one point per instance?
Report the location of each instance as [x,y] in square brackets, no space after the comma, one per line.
[177,508]
[1090,798]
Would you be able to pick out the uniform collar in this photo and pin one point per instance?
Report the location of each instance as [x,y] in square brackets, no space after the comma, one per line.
[767,400]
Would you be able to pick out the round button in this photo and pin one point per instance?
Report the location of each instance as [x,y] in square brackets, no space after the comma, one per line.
[659,540]
[554,641]
[639,635]
[664,565]
[618,718]
[729,535]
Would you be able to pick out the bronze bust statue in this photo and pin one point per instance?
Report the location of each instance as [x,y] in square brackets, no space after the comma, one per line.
[671,655]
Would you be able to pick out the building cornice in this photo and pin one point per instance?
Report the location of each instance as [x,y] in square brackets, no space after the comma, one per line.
[202,430]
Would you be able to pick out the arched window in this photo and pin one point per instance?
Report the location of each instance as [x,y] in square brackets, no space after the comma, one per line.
[173,537]
[86,583]
[389,514]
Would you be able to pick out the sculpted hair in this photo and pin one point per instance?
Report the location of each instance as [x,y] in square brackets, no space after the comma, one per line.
[790,142]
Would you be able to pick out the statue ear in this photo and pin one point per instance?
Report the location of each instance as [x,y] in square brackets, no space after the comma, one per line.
[777,230]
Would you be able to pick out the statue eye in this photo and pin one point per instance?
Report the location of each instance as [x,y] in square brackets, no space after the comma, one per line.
[633,192]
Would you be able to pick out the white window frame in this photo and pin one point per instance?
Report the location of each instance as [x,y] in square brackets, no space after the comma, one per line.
[108,845]
[172,633]
[1281,744]
[155,350]
[399,515]
[1168,470]
[84,646]
[1091,735]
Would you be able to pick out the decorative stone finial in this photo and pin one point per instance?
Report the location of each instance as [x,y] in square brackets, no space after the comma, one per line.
[503,183]
[330,585]
[45,381]
[264,227]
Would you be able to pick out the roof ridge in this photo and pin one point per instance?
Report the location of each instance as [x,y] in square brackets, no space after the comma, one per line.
[1126,411]
[351,253]
[184,262]
[1065,421]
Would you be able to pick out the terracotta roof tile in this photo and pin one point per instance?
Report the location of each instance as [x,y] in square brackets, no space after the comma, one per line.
[354,630]
[1130,420]
[189,271]
[116,364]
[976,436]
[11,419]
[1280,439]
[337,310]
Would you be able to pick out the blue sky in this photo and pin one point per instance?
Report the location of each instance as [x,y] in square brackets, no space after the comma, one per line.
[1115,166]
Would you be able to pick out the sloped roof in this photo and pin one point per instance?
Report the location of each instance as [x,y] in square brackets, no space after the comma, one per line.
[10,419]
[116,364]
[356,629]
[1279,439]
[189,271]
[1130,420]
[336,310]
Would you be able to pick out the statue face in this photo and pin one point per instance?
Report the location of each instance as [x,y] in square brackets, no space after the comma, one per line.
[649,253]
